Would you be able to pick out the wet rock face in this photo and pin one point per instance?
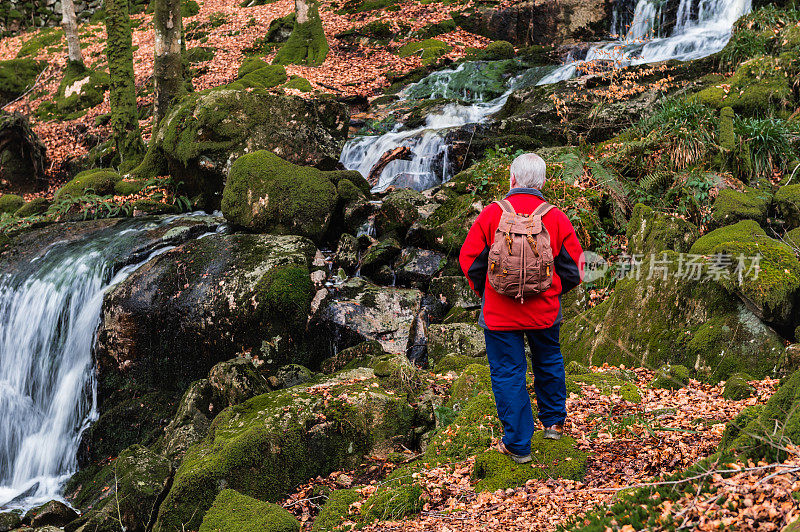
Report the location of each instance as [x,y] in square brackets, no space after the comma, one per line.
[53,513]
[359,310]
[204,134]
[542,23]
[204,302]
[22,155]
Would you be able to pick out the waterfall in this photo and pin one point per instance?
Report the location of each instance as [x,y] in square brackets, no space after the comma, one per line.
[702,27]
[49,313]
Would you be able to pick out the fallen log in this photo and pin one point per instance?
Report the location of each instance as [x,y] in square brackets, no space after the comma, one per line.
[401,152]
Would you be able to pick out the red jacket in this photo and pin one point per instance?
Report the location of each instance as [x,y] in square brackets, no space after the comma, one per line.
[503,313]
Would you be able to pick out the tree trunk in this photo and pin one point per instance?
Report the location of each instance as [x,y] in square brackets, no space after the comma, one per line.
[301,10]
[168,65]
[70,24]
[122,94]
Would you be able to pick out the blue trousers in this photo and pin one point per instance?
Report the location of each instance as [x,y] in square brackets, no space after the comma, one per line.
[506,352]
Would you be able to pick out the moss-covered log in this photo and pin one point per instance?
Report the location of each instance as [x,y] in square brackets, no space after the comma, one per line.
[124,117]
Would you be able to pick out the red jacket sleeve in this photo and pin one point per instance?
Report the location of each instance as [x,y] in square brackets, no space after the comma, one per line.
[474,256]
[569,262]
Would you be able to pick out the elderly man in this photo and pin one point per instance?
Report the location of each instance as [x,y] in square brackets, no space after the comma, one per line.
[507,320]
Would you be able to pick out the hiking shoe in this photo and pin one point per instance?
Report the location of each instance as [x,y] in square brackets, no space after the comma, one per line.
[554,433]
[501,448]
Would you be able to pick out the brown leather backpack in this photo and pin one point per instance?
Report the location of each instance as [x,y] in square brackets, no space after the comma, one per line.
[521,258]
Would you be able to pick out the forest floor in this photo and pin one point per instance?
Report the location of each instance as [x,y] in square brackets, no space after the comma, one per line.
[630,445]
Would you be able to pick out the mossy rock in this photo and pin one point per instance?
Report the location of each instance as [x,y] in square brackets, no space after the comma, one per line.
[787,203]
[551,459]
[435,29]
[335,511]
[307,45]
[298,83]
[286,292]
[651,232]
[734,428]
[469,433]
[608,384]
[680,320]
[576,368]
[201,137]
[270,444]
[10,203]
[80,89]
[99,181]
[732,206]
[758,86]
[774,289]
[769,429]
[398,211]
[495,51]
[428,50]
[267,193]
[233,511]
[461,339]
[379,255]
[475,379]
[671,377]
[737,387]
[189,8]
[10,521]
[34,207]
[129,187]
[256,73]
[456,363]
[44,38]
[17,76]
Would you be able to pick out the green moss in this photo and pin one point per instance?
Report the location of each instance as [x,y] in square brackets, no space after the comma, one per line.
[608,384]
[41,39]
[286,293]
[233,511]
[335,511]
[126,187]
[348,191]
[651,232]
[734,428]
[10,203]
[98,181]
[493,52]
[428,50]
[307,45]
[474,379]
[264,192]
[671,377]
[576,368]
[787,202]
[757,86]
[732,206]
[392,503]
[122,95]
[189,8]
[199,54]
[725,133]
[80,89]
[457,363]
[551,459]
[264,78]
[299,83]
[33,207]
[17,76]
[778,279]
[737,387]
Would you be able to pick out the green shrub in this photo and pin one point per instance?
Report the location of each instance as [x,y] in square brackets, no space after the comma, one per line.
[769,141]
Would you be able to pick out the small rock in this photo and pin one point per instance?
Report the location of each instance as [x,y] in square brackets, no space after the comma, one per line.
[345,481]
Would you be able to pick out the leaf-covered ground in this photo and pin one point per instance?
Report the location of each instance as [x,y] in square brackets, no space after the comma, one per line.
[630,445]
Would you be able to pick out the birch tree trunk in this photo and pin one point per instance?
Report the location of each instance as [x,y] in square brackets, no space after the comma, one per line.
[168,63]
[70,24]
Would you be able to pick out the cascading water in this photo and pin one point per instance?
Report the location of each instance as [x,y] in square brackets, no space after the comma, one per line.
[49,313]
[702,27]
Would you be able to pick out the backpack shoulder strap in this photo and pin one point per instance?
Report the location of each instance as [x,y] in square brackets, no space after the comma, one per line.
[543,209]
[506,206]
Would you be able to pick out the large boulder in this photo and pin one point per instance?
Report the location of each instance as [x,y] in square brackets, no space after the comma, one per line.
[268,194]
[122,496]
[651,232]
[206,132]
[549,22]
[268,445]
[22,155]
[359,310]
[463,341]
[204,302]
[762,271]
[678,320]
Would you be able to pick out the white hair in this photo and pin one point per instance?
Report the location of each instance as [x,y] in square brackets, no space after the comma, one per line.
[529,170]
